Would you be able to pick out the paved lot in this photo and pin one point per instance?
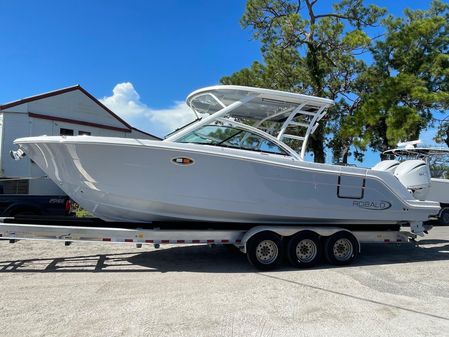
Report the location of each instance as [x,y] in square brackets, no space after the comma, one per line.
[47,289]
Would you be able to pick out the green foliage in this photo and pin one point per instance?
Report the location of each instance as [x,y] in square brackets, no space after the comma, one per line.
[439,171]
[403,91]
[310,52]
[443,133]
[408,82]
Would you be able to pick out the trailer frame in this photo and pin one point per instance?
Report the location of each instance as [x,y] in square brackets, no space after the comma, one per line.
[241,238]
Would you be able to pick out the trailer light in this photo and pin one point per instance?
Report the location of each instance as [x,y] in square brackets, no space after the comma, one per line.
[68,206]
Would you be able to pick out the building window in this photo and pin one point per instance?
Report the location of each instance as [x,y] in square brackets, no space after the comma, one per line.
[84,133]
[66,132]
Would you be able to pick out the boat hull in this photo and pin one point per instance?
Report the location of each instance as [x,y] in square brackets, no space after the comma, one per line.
[439,190]
[144,181]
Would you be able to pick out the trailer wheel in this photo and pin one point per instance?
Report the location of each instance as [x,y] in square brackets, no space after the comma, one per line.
[264,250]
[444,216]
[304,249]
[341,248]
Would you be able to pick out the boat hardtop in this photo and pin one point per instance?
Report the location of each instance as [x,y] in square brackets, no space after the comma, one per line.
[415,150]
[282,115]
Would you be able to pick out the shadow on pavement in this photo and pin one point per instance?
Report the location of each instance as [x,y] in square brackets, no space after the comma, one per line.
[215,259]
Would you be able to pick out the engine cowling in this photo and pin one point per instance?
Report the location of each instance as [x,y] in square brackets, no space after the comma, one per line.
[386,165]
[415,175]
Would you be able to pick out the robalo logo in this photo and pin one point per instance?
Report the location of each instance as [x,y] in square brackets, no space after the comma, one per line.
[377,205]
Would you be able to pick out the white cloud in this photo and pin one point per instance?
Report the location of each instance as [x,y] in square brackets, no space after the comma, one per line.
[125,102]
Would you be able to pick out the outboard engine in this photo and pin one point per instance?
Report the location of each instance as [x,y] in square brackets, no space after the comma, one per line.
[415,175]
[386,165]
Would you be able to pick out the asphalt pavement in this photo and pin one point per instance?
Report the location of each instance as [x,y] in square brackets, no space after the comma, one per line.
[47,289]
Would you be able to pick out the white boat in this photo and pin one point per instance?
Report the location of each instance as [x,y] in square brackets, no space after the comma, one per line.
[435,157]
[233,164]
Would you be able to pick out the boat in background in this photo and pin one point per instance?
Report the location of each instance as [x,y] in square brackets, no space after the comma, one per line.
[236,163]
[437,158]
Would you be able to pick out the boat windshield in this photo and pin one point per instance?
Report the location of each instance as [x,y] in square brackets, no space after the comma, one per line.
[219,134]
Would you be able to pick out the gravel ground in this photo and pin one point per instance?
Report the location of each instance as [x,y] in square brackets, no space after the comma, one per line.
[48,289]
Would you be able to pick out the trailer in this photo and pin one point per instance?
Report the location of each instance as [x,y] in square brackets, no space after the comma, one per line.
[264,245]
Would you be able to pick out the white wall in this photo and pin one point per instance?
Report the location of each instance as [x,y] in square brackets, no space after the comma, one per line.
[15,125]
[72,105]
[57,126]
[139,135]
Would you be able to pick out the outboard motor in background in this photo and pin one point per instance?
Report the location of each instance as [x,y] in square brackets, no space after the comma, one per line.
[415,175]
[386,165]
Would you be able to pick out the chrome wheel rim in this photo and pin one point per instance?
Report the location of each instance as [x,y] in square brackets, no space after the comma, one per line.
[267,252]
[306,250]
[343,249]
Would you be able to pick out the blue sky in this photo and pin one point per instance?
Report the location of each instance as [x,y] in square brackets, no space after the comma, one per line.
[152,52]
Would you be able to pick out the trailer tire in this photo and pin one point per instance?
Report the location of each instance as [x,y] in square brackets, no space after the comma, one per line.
[304,249]
[444,216]
[341,248]
[264,250]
